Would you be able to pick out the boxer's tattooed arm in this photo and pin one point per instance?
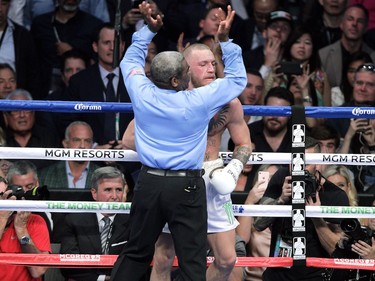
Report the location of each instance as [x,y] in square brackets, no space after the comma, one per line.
[242,153]
[219,121]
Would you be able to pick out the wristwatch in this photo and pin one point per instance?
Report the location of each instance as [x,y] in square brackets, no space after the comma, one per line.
[25,240]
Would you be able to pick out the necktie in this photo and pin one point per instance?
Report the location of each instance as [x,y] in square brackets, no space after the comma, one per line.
[110,91]
[104,235]
[110,127]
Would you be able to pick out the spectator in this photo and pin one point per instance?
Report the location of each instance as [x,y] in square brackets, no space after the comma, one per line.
[261,13]
[328,138]
[23,175]
[4,167]
[343,93]
[342,177]
[272,133]
[8,82]
[190,248]
[335,57]
[92,84]
[363,95]
[90,233]
[301,48]
[257,242]
[72,61]
[325,23]
[359,133]
[321,235]
[275,34]
[18,50]
[21,232]
[59,31]
[252,94]
[71,173]
[24,131]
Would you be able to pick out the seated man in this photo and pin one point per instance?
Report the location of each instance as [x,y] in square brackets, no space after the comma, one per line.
[21,232]
[71,173]
[90,233]
[22,176]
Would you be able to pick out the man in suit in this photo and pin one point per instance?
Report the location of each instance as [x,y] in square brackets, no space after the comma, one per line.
[92,84]
[335,57]
[71,173]
[58,31]
[89,233]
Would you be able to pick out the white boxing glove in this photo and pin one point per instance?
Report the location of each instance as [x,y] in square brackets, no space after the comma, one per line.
[225,180]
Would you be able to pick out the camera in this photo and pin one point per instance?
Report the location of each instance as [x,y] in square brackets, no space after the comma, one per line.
[311,186]
[353,229]
[37,193]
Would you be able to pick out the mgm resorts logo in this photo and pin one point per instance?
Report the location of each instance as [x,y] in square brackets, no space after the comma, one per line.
[357,111]
[84,107]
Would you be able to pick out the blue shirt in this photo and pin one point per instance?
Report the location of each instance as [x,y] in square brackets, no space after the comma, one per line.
[170,126]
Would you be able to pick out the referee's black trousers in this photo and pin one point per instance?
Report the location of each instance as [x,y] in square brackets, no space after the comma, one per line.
[180,201]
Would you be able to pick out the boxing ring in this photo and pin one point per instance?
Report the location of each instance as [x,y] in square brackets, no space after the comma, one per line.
[105,261]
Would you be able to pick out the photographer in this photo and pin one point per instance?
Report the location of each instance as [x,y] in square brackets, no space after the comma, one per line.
[321,235]
[23,179]
[21,232]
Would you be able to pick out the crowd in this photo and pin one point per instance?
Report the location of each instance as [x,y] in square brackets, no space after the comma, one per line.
[189,65]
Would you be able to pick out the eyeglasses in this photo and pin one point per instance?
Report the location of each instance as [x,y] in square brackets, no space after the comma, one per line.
[366,67]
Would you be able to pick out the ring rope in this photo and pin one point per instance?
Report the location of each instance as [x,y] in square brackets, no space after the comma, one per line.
[261,110]
[107,261]
[238,209]
[131,156]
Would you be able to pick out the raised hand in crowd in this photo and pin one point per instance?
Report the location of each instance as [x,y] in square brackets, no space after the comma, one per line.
[180,43]
[256,192]
[359,125]
[303,82]
[131,17]
[272,51]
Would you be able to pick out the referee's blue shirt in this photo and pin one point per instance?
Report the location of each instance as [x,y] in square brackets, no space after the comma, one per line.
[170,126]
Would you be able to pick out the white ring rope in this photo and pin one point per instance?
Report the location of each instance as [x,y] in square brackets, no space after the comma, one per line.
[131,156]
[238,209]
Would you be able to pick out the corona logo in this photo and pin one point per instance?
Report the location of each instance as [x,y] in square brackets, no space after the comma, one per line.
[83,107]
[357,111]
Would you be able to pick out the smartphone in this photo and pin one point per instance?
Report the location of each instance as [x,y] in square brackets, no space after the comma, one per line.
[263,176]
[363,122]
[291,67]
